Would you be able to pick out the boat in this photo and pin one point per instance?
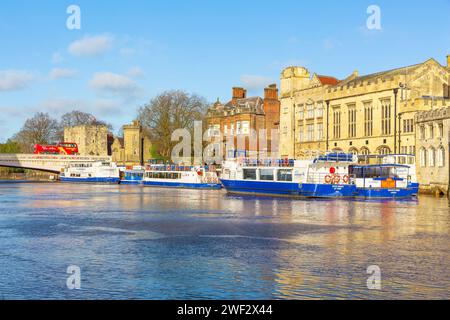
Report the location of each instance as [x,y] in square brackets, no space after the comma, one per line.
[134,176]
[175,176]
[91,172]
[385,176]
[322,177]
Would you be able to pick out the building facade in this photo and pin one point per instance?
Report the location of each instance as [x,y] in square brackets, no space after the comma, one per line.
[433,142]
[92,140]
[134,148]
[372,114]
[246,125]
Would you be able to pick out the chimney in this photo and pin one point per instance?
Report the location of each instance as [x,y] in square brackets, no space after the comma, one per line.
[238,93]
[271,92]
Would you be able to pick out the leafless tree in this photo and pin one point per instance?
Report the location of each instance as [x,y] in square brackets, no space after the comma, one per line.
[167,112]
[40,129]
[76,118]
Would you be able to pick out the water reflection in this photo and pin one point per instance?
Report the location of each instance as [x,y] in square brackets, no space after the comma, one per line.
[150,243]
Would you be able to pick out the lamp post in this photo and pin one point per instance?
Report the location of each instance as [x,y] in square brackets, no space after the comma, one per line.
[395,120]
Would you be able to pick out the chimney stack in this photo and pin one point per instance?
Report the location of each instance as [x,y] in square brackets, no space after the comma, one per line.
[238,93]
[271,92]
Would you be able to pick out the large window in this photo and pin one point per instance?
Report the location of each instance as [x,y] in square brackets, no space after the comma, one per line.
[431,131]
[441,157]
[245,127]
[284,175]
[319,131]
[408,125]
[310,111]
[441,130]
[238,127]
[249,174]
[266,174]
[386,117]
[432,157]
[301,112]
[422,132]
[319,112]
[423,157]
[310,132]
[337,123]
[352,122]
[301,134]
[368,119]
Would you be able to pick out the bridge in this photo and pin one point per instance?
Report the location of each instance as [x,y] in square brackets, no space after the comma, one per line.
[43,162]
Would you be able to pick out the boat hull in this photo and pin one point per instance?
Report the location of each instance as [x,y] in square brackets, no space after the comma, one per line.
[387,193]
[131,182]
[91,180]
[182,185]
[288,189]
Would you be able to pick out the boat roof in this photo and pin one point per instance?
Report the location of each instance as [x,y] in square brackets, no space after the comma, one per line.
[381,165]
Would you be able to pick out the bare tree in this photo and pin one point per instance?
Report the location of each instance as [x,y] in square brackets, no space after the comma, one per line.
[76,118]
[167,112]
[40,129]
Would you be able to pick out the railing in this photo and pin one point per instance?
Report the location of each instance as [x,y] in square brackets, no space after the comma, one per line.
[289,163]
[326,178]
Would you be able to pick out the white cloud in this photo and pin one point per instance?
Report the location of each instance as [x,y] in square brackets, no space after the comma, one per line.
[11,80]
[61,73]
[113,83]
[255,83]
[91,45]
[136,72]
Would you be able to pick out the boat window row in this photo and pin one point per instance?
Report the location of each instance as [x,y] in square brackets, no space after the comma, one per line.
[373,172]
[81,165]
[163,175]
[284,175]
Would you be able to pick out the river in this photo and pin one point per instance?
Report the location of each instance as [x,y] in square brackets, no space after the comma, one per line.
[144,243]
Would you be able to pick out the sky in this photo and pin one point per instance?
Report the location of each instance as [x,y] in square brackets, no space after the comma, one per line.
[127,52]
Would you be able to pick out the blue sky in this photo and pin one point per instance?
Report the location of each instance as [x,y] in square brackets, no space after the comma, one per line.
[128,51]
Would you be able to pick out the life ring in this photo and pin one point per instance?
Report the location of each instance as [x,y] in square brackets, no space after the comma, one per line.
[328,179]
[346,179]
[336,179]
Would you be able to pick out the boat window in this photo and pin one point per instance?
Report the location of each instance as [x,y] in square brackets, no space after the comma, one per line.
[284,175]
[249,174]
[266,175]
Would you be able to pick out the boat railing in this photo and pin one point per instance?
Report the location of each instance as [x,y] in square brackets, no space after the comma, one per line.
[267,162]
[179,168]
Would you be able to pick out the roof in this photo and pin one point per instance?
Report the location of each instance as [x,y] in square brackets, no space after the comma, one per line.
[239,106]
[328,80]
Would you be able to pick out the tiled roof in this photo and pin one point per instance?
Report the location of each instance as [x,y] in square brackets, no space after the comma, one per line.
[327,80]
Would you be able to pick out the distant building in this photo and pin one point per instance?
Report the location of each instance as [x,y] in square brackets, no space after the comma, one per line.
[134,148]
[92,140]
[242,115]
[433,142]
[371,114]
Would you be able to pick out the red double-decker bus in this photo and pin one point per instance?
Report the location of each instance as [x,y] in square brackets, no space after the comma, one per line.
[65,148]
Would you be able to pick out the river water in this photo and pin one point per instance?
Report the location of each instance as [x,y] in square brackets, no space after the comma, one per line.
[144,243]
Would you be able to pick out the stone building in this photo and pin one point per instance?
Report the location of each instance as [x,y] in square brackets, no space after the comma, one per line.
[245,122]
[433,142]
[92,140]
[134,148]
[372,114]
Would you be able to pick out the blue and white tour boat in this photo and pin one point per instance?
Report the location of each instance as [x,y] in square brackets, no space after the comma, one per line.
[91,172]
[323,177]
[134,176]
[175,176]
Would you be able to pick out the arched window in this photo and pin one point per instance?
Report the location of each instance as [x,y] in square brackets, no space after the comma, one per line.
[365,151]
[441,157]
[383,150]
[432,157]
[423,157]
[353,151]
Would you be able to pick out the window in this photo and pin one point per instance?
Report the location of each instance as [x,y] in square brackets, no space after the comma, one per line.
[423,157]
[412,150]
[365,152]
[432,157]
[352,122]
[310,132]
[386,117]
[300,134]
[216,130]
[431,131]
[284,175]
[384,150]
[266,174]
[422,132]
[337,123]
[310,111]
[232,129]
[225,130]
[368,119]
[245,127]
[408,125]
[319,131]
[441,157]
[238,127]
[249,174]
[301,112]
[319,110]
[441,130]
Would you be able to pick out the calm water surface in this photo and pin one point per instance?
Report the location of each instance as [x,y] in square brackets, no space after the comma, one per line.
[144,243]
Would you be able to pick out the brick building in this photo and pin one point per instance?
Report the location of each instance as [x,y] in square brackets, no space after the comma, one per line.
[246,125]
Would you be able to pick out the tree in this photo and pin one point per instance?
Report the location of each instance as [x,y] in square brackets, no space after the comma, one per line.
[76,118]
[40,129]
[167,112]
[10,147]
